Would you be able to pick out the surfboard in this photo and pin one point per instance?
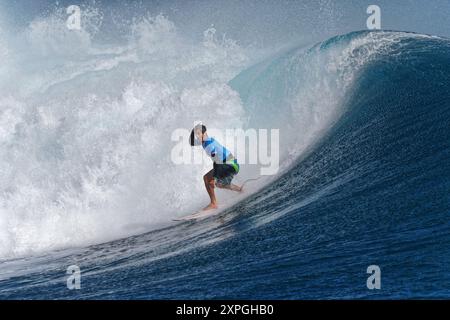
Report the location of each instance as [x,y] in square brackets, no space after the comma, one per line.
[198,215]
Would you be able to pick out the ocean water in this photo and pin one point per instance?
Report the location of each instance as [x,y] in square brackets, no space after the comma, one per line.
[87,178]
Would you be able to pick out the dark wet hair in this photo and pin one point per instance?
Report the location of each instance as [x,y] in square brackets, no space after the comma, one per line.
[193,140]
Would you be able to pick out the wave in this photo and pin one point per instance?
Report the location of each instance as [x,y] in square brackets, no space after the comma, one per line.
[85,133]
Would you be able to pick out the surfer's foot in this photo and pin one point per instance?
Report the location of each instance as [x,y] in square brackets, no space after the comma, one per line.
[211,206]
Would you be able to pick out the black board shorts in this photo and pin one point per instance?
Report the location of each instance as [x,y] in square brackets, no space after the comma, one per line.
[223,173]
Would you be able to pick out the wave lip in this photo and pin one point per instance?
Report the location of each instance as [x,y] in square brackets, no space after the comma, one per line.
[303,91]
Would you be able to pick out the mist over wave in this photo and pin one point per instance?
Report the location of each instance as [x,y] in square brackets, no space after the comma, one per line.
[85,143]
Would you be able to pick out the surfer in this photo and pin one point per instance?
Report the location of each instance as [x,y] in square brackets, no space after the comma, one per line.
[225,166]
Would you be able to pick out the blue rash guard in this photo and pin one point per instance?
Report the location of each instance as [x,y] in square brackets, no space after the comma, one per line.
[219,154]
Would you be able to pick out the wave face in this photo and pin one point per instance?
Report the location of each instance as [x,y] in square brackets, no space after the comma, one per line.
[365,180]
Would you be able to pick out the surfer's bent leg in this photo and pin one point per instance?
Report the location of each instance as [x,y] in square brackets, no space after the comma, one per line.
[209,185]
[224,174]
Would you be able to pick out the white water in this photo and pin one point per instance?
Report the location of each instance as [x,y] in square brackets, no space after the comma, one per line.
[85,134]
